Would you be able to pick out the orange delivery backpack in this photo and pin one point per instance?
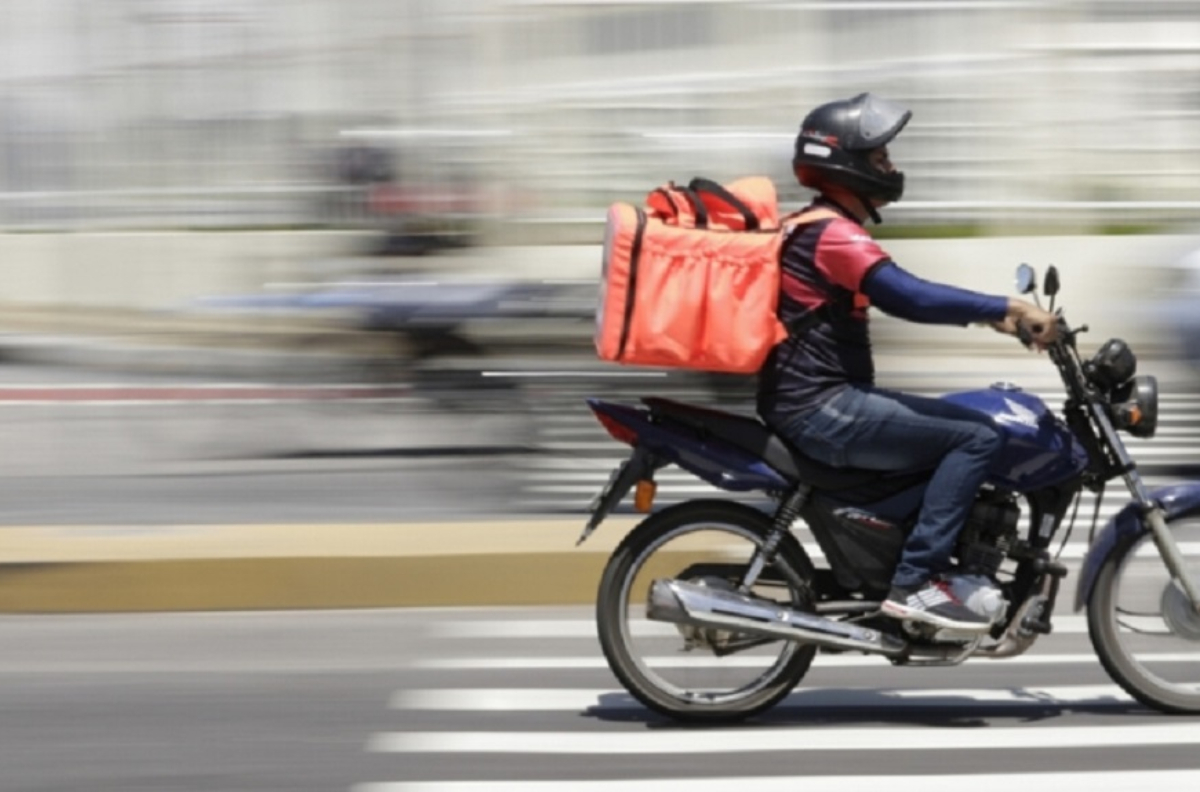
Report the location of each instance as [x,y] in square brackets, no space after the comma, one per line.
[692,280]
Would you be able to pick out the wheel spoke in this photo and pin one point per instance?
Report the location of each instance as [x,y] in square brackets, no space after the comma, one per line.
[690,671]
[699,546]
[1145,629]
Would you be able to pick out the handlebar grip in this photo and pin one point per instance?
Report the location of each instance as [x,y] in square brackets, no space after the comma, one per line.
[1024,335]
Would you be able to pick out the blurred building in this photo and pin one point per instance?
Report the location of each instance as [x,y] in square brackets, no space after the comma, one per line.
[532,115]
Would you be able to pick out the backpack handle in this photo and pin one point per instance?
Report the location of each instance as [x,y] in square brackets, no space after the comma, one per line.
[700,184]
[670,195]
[698,206]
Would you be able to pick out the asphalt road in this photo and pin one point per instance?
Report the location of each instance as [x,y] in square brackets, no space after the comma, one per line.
[401,701]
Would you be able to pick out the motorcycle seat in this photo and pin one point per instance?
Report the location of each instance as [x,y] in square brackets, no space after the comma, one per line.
[752,435]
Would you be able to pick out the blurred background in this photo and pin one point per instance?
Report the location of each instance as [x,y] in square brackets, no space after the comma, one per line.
[296,311]
[517,121]
[401,203]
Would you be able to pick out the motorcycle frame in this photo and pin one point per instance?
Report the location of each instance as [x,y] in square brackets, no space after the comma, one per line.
[1086,413]
[657,444]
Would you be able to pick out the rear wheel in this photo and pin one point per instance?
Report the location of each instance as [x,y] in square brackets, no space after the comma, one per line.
[694,673]
[1143,626]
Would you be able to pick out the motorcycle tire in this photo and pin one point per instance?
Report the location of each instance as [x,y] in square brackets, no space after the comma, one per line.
[1103,624]
[638,546]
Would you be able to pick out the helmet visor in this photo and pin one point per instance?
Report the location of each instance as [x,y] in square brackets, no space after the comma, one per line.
[879,121]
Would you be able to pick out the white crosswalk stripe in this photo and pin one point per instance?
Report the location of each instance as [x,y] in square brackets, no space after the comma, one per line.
[538,663]
[540,699]
[995,782]
[791,740]
[1064,624]
[507,722]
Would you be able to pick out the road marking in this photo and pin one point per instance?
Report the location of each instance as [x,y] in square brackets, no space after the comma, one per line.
[578,700]
[695,660]
[215,393]
[585,628]
[1120,781]
[789,739]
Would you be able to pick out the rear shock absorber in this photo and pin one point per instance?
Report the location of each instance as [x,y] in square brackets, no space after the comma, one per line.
[781,523]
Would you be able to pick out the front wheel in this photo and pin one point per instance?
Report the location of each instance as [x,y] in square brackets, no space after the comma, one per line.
[692,673]
[1143,626]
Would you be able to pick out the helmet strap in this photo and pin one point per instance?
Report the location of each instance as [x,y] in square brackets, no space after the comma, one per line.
[862,199]
[827,198]
[871,212]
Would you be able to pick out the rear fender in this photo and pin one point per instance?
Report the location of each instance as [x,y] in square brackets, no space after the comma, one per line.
[1176,500]
[711,459]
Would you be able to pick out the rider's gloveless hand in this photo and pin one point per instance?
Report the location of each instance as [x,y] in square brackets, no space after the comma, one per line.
[1041,326]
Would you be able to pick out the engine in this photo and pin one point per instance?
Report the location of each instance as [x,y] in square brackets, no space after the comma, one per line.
[990,532]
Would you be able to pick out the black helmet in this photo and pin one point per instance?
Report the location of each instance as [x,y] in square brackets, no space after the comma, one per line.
[836,138]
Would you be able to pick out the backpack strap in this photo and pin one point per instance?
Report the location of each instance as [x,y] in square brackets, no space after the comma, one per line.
[790,222]
[791,225]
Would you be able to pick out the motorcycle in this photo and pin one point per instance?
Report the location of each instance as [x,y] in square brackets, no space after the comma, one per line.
[712,610]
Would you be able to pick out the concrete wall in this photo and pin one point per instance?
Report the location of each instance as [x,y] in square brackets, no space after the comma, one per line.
[1112,283]
[150,271]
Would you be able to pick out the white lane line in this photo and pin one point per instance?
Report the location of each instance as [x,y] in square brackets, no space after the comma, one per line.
[538,628]
[576,700]
[1121,781]
[790,739]
[76,405]
[708,661]
[584,628]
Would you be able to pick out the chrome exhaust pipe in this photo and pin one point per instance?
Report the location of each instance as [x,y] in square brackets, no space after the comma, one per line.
[681,602]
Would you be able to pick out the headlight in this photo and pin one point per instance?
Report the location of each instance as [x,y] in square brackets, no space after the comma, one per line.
[1112,365]
[1135,406]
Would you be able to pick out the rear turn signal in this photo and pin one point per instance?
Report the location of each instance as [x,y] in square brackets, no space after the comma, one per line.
[616,429]
[643,496]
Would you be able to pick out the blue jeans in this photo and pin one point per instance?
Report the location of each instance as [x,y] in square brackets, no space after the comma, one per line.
[876,429]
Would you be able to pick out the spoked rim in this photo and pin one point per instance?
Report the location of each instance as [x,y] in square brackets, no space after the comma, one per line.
[693,660]
[1149,627]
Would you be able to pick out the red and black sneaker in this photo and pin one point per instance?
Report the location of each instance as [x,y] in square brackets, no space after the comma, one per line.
[934,603]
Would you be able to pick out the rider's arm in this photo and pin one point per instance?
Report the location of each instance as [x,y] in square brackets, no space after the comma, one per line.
[901,294]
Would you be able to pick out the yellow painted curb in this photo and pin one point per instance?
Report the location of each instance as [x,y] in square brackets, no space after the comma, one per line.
[301,583]
[261,567]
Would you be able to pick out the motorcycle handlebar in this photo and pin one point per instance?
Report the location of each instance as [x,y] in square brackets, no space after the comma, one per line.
[1025,335]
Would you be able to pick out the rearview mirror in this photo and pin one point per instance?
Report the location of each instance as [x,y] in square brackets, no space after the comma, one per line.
[1050,287]
[1026,279]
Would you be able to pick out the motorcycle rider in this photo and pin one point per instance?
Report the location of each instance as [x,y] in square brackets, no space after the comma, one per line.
[817,389]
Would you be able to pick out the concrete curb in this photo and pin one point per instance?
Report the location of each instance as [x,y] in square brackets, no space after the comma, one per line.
[86,569]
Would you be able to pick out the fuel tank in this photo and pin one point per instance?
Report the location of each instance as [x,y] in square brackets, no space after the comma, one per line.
[1039,449]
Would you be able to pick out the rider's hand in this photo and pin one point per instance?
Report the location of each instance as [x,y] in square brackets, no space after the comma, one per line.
[1040,325]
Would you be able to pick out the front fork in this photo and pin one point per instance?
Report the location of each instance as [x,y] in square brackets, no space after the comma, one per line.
[1152,513]
[1156,520]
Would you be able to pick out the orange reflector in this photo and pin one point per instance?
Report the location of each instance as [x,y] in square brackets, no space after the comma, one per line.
[643,496]
[1135,415]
